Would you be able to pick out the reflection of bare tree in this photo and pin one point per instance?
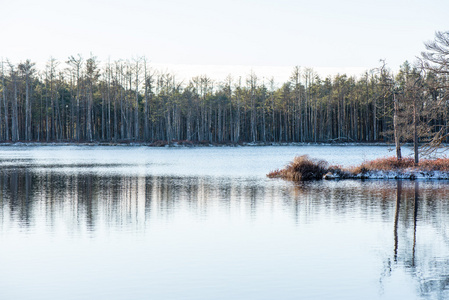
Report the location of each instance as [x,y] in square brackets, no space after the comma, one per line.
[418,212]
[396,218]
[421,265]
[415,215]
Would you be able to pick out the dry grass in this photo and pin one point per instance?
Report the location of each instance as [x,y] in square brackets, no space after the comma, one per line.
[275,174]
[439,164]
[393,164]
[383,164]
[302,168]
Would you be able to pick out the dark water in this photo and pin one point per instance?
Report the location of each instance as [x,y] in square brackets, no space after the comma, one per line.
[94,223]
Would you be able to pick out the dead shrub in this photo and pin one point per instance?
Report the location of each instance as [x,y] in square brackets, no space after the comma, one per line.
[302,168]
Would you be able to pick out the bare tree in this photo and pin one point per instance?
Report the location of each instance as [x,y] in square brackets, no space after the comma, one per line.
[148,85]
[295,78]
[137,69]
[397,137]
[15,109]
[436,61]
[5,104]
[92,75]
[76,64]
[436,58]
[27,69]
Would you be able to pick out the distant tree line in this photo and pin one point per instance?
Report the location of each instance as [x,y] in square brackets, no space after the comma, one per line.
[83,100]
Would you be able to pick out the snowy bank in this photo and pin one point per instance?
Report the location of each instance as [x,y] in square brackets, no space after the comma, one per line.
[303,168]
[406,174]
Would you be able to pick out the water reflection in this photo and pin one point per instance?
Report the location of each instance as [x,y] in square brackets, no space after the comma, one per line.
[419,225]
[411,217]
[418,255]
[88,200]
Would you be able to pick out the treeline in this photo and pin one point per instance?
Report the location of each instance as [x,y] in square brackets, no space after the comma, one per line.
[83,100]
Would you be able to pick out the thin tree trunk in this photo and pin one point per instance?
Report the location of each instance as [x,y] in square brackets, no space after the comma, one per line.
[146,117]
[27,109]
[136,108]
[415,132]
[15,113]
[396,127]
[5,104]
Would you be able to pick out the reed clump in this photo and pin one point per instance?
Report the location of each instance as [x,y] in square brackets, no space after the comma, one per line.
[302,168]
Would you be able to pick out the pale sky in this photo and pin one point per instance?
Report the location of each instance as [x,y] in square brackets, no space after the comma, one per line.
[197,37]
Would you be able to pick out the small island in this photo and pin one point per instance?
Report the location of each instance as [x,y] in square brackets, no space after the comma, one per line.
[304,168]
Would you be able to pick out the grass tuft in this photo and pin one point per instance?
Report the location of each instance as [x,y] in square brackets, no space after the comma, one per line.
[302,168]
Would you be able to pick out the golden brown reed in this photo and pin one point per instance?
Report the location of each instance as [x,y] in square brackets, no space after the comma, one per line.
[394,164]
[302,168]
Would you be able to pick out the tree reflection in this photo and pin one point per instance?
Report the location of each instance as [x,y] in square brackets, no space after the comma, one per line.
[396,218]
[416,258]
[83,202]
[415,214]
[418,212]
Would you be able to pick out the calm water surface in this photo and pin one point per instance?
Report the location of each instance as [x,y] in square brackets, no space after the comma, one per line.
[205,223]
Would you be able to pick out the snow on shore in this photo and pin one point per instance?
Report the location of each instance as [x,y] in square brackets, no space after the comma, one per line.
[410,174]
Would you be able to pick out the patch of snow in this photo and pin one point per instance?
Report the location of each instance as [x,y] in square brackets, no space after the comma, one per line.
[409,174]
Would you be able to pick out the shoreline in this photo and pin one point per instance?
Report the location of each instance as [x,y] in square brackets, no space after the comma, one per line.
[191,144]
[408,174]
[304,168]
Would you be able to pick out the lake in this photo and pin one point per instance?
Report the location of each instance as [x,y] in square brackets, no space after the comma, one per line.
[83,222]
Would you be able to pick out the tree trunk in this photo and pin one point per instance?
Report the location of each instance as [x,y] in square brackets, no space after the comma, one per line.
[136,108]
[27,109]
[15,113]
[5,104]
[415,132]
[146,116]
[396,127]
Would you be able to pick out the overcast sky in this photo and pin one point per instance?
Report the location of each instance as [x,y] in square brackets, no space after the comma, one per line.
[218,37]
